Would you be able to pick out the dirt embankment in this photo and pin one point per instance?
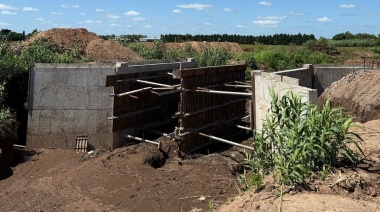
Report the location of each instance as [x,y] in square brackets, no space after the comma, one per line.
[199,46]
[122,180]
[358,94]
[88,43]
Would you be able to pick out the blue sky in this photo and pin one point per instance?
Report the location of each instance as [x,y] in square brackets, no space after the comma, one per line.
[323,18]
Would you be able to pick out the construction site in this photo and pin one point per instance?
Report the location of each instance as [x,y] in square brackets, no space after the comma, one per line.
[167,135]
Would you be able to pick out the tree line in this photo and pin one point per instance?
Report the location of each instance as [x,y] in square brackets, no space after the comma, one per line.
[276,39]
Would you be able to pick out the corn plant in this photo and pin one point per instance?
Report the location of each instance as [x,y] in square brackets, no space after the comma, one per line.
[213,57]
[298,140]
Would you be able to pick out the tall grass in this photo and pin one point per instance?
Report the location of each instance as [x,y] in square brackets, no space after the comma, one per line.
[298,140]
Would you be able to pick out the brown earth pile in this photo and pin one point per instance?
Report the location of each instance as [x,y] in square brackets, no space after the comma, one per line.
[358,94]
[100,49]
[133,178]
[66,37]
[199,46]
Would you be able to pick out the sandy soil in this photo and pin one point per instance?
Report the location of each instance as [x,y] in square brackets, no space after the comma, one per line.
[103,50]
[358,94]
[344,189]
[123,180]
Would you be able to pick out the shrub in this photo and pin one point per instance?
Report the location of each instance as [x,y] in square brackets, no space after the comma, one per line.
[298,140]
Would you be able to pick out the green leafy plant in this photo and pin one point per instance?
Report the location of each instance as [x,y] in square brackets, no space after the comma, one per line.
[213,57]
[298,140]
[211,205]
[251,180]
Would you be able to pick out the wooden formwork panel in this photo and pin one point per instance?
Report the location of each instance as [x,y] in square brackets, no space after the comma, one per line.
[137,110]
[199,109]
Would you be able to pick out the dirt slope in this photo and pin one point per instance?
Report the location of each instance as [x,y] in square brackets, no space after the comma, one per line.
[100,49]
[67,37]
[358,94]
[199,46]
[57,180]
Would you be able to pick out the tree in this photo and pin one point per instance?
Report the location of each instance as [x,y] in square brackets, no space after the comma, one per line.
[343,36]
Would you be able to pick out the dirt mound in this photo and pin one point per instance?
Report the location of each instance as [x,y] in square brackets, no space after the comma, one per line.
[66,37]
[100,49]
[126,179]
[199,46]
[358,94]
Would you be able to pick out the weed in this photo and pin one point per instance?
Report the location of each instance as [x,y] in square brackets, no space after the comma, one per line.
[298,140]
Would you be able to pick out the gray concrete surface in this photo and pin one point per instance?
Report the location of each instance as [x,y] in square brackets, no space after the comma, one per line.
[281,85]
[324,76]
[66,101]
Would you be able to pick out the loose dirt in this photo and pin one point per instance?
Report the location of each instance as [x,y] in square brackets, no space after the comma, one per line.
[89,43]
[103,50]
[199,46]
[122,180]
[358,94]
[66,37]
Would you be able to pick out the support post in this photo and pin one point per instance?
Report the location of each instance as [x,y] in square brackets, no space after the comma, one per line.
[144,140]
[227,141]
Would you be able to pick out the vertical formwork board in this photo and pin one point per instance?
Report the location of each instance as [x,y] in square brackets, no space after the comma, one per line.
[206,112]
[144,108]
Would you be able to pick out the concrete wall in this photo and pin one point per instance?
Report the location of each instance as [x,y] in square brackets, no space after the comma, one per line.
[324,76]
[66,101]
[304,75]
[281,84]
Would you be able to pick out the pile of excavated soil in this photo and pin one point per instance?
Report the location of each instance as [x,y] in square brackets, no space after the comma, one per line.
[358,94]
[100,49]
[66,37]
[199,46]
[133,178]
[89,43]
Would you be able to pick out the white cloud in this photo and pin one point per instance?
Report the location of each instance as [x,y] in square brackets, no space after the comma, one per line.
[29,9]
[290,13]
[177,11]
[139,19]
[228,10]
[272,17]
[56,13]
[7,7]
[68,5]
[148,26]
[4,24]
[266,23]
[324,19]
[208,24]
[242,26]
[131,13]
[89,22]
[264,3]
[39,19]
[110,16]
[194,6]
[347,6]
[115,25]
[100,10]
[6,12]
[82,14]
